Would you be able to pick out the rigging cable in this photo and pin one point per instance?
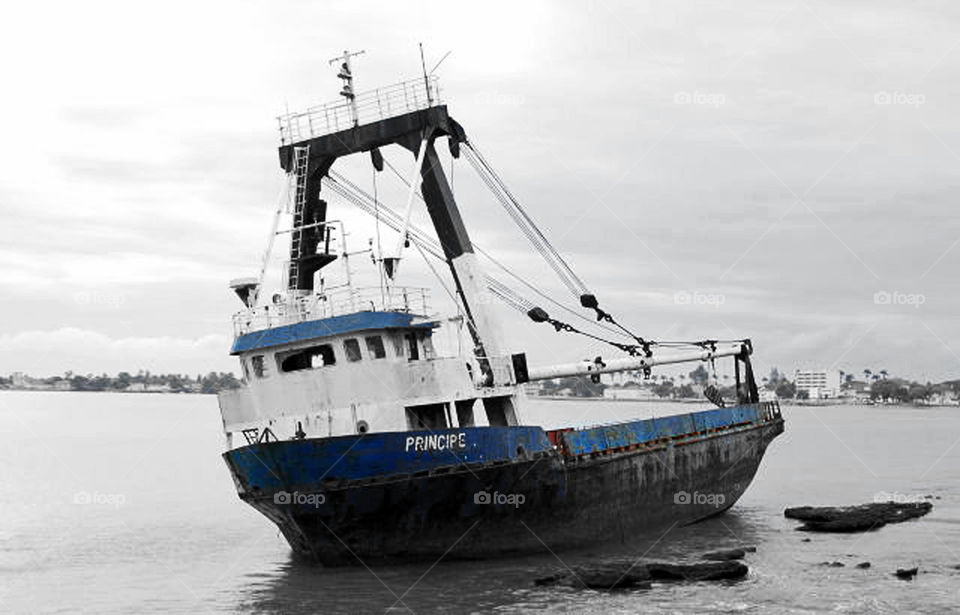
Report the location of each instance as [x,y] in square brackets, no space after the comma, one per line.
[352,193]
[376,215]
[541,244]
[497,288]
[505,269]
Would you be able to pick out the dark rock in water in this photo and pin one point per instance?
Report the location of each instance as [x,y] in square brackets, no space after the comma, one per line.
[862,518]
[725,555]
[612,579]
[749,549]
[906,573]
[703,571]
[863,565]
[551,579]
[602,575]
[626,575]
[833,564]
[805,540]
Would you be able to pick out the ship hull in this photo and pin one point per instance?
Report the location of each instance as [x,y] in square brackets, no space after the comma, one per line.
[539,491]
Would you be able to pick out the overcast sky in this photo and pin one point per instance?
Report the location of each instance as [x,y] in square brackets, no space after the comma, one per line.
[785,171]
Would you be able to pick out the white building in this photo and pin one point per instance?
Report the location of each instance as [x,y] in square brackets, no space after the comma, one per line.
[629,392]
[818,383]
[621,378]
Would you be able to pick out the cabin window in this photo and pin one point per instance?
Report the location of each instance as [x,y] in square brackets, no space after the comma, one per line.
[428,416]
[259,366]
[375,347]
[352,349]
[398,345]
[413,349]
[427,341]
[307,358]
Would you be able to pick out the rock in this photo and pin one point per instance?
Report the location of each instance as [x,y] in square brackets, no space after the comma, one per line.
[613,579]
[725,555]
[863,565]
[626,575]
[805,540]
[833,564]
[551,579]
[703,571]
[862,518]
[906,573]
[749,549]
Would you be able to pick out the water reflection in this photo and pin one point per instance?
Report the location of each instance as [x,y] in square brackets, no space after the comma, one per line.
[477,586]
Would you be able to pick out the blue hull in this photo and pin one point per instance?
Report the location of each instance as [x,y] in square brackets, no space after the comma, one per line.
[488,491]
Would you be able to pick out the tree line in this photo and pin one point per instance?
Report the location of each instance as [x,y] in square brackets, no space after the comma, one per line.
[210,383]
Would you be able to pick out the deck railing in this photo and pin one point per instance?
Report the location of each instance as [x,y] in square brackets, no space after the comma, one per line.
[329,303]
[768,410]
[371,106]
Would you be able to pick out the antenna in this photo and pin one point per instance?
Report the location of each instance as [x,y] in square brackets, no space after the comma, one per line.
[437,65]
[426,78]
[346,74]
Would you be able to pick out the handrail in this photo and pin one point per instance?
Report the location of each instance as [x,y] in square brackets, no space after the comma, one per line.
[371,106]
[329,303]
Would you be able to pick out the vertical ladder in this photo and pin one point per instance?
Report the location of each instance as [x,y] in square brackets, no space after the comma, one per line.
[301,163]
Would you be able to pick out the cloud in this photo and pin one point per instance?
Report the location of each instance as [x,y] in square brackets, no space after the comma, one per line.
[140,182]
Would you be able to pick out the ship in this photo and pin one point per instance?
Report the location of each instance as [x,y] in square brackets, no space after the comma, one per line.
[366,443]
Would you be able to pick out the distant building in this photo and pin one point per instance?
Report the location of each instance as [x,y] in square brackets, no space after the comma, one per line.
[532,389]
[629,392]
[139,387]
[621,378]
[818,383]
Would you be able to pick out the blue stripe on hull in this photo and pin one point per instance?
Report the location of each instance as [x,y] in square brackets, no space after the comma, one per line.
[309,464]
[361,321]
[315,463]
[597,439]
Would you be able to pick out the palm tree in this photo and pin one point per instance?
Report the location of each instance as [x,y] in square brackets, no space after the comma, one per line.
[883,373]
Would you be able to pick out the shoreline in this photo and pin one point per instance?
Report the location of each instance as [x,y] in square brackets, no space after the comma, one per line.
[783,402]
[793,403]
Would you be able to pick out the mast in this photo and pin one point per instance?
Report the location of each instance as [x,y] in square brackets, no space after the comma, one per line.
[346,74]
[411,115]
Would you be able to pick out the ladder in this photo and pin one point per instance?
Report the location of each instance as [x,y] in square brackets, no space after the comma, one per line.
[301,163]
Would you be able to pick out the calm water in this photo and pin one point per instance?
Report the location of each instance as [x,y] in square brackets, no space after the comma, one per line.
[114,503]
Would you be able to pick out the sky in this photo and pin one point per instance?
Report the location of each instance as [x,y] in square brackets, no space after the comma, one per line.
[783,171]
